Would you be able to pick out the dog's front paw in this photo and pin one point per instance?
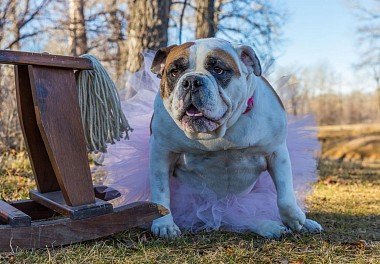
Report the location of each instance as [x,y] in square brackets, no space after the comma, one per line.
[165,227]
[312,226]
[292,216]
[269,229]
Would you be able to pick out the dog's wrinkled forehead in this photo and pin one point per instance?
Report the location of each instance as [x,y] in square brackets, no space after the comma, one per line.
[197,53]
[197,56]
[217,50]
[181,52]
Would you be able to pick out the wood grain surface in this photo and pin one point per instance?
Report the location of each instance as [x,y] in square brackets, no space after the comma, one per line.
[44,59]
[65,231]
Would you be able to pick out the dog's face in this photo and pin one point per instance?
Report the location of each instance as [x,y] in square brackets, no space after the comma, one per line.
[205,84]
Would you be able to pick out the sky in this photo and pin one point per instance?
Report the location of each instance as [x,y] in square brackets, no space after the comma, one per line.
[322,31]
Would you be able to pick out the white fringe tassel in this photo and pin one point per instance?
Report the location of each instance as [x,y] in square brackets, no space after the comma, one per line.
[102,117]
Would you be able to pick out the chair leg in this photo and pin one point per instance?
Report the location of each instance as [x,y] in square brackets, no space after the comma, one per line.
[58,116]
[39,158]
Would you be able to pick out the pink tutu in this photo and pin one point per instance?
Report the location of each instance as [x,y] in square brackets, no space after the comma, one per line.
[125,168]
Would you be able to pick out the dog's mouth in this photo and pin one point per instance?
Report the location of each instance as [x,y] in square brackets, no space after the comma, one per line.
[195,121]
[192,111]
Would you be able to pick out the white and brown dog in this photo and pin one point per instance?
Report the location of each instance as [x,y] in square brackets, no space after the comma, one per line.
[198,122]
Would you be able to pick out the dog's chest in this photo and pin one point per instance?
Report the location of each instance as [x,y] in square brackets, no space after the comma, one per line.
[225,172]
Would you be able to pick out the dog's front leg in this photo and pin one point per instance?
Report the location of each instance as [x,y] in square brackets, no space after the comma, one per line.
[279,167]
[161,164]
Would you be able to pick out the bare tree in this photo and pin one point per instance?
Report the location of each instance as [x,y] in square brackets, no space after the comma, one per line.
[78,33]
[18,21]
[318,90]
[368,33]
[10,132]
[182,15]
[324,82]
[115,17]
[255,22]
[182,23]
[147,29]
[293,94]
[205,22]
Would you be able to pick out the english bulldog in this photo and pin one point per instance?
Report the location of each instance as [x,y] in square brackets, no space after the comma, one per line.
[200,118]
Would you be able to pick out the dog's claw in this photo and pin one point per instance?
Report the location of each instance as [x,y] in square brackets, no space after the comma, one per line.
[165,227]
[293,217]
[312,226]
[270,229]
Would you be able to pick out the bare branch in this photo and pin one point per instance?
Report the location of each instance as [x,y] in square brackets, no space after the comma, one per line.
[35,13]
[181,20]
[24,36]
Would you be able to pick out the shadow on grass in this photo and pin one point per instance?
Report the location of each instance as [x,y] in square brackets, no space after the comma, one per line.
[347,172]
[340,230]
[348,228]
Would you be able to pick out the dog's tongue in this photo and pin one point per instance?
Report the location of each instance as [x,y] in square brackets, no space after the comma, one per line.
[193,111]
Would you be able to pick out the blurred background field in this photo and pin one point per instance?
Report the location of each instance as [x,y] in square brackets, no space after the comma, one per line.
[359,143]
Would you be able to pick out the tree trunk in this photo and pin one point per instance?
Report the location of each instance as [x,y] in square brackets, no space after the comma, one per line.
[118,39]
[206,27]
[78,35]
[217,11]
[13,14]
[147,29]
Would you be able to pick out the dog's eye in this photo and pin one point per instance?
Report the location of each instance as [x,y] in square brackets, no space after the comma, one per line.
[218,70]
[174,72]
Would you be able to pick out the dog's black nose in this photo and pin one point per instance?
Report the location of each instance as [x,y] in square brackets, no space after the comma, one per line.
[192,82]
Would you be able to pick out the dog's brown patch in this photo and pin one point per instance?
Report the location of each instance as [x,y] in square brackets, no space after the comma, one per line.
[274,92]
[181,51]
[226,58]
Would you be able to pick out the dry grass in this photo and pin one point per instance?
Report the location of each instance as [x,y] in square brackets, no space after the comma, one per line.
[346,201]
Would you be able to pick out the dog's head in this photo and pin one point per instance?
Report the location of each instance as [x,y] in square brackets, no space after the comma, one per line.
[205,84]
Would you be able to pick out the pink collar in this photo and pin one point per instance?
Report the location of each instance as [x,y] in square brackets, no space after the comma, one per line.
[249,105]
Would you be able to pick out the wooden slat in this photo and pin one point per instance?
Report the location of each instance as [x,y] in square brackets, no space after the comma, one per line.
[35,210]
[39,158]
[13,216]
[55,97]
[55,233]
[43,59]
[56,202]
[38,212]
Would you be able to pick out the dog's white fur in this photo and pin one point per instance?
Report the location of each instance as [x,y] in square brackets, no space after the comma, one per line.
[230,158]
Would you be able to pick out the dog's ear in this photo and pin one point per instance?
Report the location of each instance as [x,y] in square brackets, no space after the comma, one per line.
[159,60]
[248,56]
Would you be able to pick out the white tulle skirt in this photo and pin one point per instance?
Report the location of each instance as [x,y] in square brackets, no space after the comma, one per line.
[125,168]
